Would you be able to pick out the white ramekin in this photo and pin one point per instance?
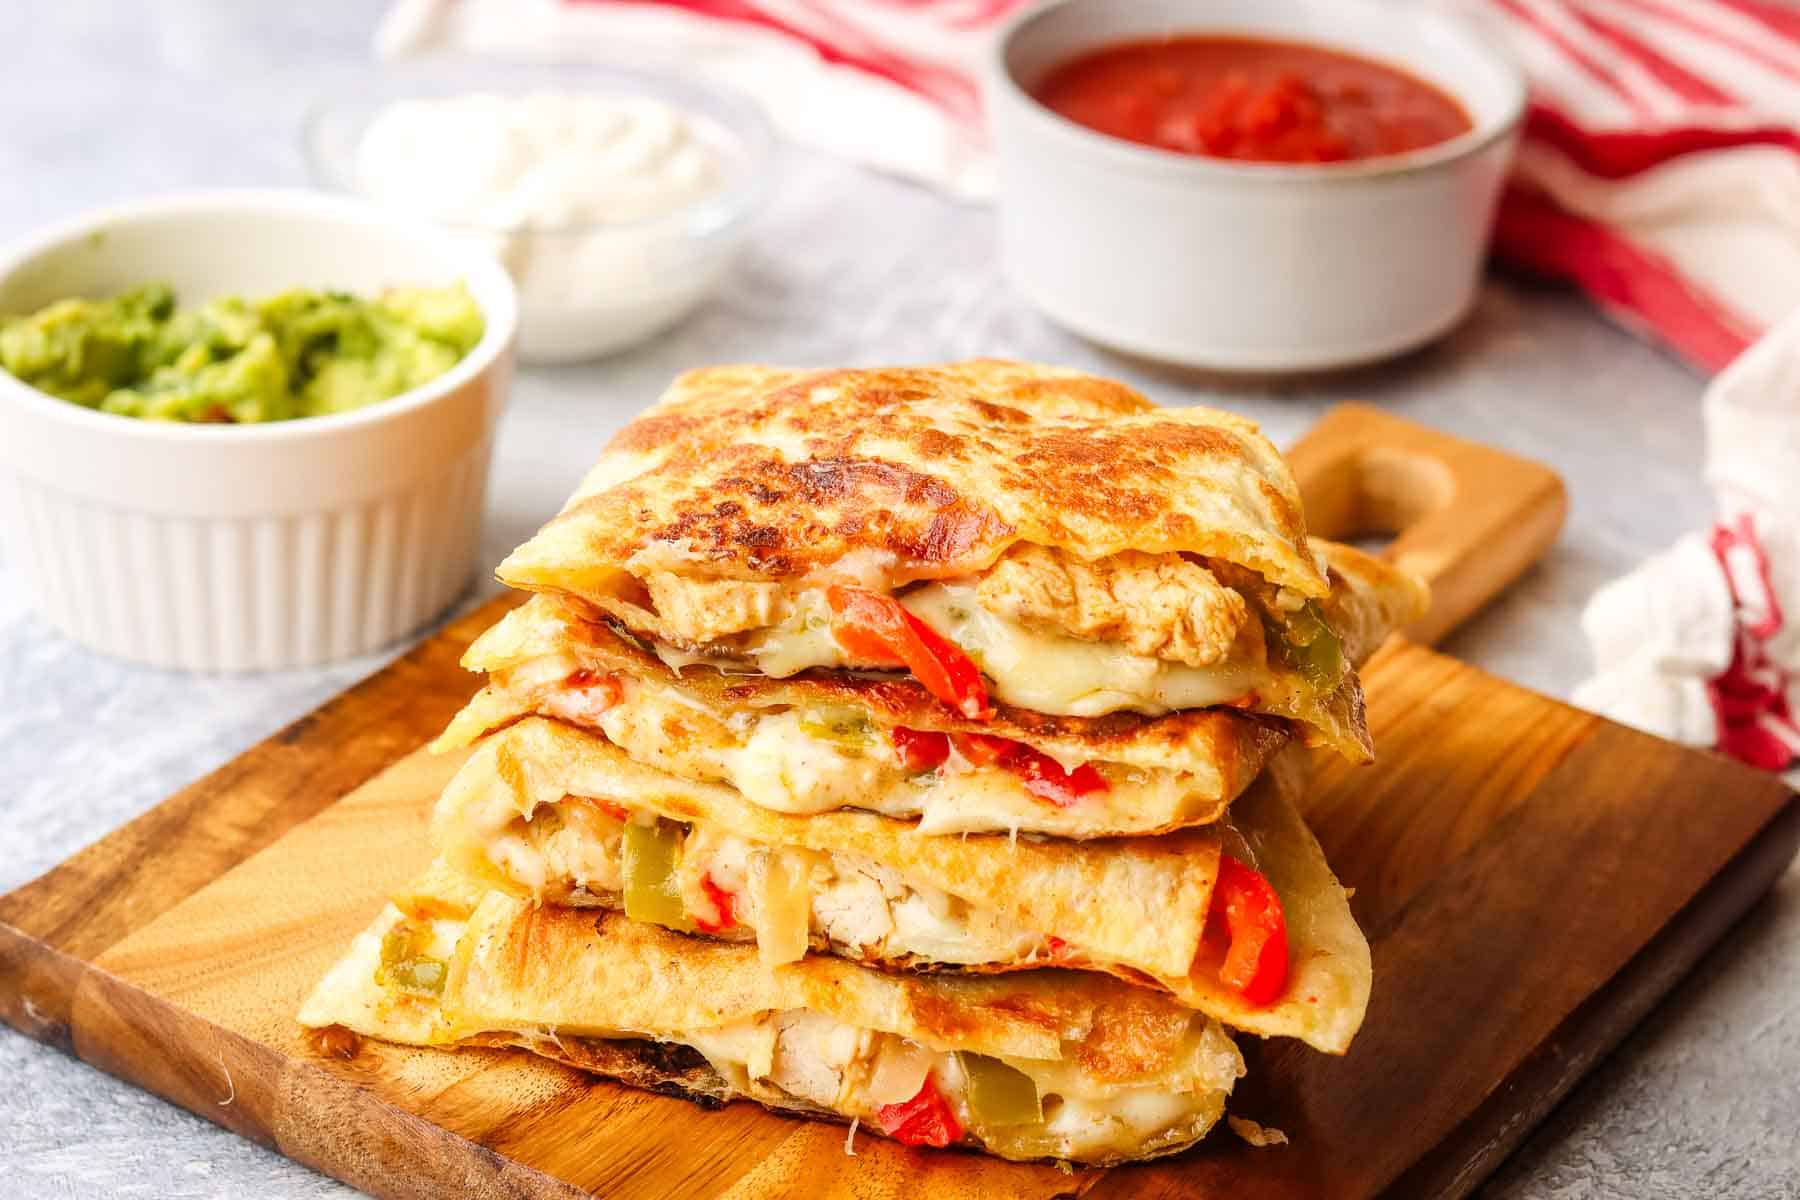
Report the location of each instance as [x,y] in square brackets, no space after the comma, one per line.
[1249,266]
[229,548]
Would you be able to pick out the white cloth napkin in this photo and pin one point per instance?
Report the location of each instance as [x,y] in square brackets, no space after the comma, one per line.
[1701,643]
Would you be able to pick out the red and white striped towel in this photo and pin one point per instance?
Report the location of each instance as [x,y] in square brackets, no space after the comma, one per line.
[1660,171]
[1661,165]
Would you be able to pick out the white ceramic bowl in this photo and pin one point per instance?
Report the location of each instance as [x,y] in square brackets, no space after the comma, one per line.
[590,289]
[1249,266]
[226,548]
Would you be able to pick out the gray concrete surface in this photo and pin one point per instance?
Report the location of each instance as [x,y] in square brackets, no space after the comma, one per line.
[101,101]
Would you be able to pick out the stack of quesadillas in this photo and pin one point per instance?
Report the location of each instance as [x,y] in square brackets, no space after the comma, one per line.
[905,747]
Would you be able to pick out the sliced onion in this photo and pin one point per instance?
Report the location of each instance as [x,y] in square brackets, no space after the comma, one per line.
[780,884]
[899,1072]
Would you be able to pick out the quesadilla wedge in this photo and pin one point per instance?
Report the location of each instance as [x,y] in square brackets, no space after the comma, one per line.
[996,530]
[828,740]
[546,812]
[1027,1066]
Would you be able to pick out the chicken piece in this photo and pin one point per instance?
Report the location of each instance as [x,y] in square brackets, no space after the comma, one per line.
[1158,605]
[696,611]
[575,842]
[854,909]
[814,1053]
[583,846]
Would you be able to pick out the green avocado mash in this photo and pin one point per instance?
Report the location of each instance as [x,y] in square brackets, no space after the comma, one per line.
[296,354]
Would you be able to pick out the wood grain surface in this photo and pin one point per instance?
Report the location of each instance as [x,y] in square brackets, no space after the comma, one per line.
[1531,877]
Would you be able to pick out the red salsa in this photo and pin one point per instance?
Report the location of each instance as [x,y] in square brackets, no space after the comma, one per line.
[1252,99]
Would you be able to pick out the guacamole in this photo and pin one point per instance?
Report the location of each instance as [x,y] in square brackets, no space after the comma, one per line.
[295,354]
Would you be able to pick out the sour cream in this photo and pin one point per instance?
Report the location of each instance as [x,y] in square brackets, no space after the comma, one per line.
[544,161]
[586,198]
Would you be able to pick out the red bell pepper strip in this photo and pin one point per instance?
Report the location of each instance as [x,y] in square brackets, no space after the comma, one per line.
[586,694]
[920,750]
[1246,910]
[723,904]
[925,1120]
[984,749]
[1043,776]
[877,629]
[583,680]
[611,808]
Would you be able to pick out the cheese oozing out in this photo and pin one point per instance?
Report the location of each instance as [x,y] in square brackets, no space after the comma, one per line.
[786,898]
[796,761]
[856,1072]
[1065,676]
[1029,668]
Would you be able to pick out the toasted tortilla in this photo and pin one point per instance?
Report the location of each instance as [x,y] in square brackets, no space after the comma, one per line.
[758,473]
[1133,907]
[1142,901]
[1330,971]
[1176,770]
[638,1003]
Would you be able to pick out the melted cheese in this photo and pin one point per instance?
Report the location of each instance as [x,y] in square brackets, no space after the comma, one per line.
[571,846]
[789,770]
[786,897]
[1050,673]
[1042,671]
[855,1072]
[803,640]
[740,1052]
[779,901]
[776,763]
[793,896]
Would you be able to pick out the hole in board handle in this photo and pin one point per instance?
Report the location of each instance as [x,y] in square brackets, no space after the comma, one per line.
[1372,497]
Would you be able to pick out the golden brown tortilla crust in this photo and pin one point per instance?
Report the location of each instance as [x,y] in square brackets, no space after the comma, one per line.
[761,473]
[674,1070]
[1139,900]
[1373,600]
[522,966]
[1330,972]
[1136,906]
[1224,748]
[349,998]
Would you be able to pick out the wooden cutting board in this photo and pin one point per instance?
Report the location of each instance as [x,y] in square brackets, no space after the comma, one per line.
[1532,879]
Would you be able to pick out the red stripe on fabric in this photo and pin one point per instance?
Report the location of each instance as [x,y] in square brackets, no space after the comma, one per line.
[1737,546]
[1595,69]
[1749,697]
[1783,20]
[1643,288]
[952,14]
[1672,75]
[1616,153]
[1685,19]
[956,94]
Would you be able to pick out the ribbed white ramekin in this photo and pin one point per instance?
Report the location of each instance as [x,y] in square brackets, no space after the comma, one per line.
[230,548]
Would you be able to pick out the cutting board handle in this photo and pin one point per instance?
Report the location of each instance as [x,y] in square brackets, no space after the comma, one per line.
[1468,518]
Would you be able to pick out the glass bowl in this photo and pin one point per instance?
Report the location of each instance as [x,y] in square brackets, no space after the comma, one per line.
[599,286]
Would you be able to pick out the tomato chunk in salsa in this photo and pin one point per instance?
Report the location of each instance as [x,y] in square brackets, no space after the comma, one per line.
[1251,99]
